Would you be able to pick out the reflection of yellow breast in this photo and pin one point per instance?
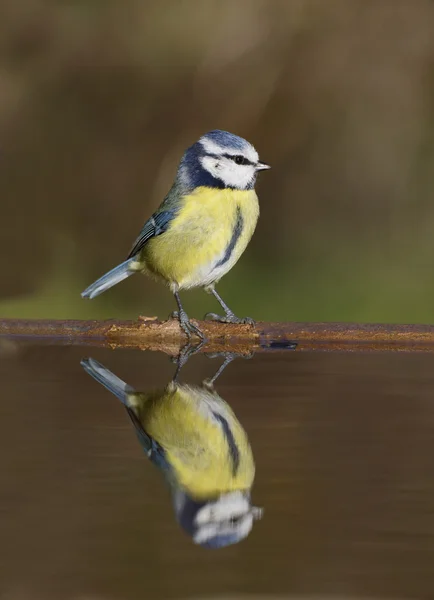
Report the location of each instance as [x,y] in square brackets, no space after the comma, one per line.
[196,447]
[200,236]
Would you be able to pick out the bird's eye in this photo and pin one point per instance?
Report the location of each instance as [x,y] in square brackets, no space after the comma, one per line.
[240,160]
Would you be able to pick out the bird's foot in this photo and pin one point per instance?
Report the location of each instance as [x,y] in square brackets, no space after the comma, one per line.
[230,318]
[228,358]
[184,354]
[187,326]
[231,355]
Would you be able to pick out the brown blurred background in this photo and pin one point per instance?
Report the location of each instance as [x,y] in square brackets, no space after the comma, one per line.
[98,100]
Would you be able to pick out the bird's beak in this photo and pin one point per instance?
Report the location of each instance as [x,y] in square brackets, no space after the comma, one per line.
[256,513]
[260,166]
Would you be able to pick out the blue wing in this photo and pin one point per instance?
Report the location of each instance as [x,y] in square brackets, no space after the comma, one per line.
[156,225]
[151,447]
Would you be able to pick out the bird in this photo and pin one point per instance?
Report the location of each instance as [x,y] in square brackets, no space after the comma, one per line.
[194,438]
[201,228]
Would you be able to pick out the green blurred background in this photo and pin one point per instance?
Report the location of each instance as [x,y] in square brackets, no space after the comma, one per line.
[98,100]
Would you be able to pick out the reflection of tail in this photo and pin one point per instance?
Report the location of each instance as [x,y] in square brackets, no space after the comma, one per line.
[124,392]
[108,379]
[110,279]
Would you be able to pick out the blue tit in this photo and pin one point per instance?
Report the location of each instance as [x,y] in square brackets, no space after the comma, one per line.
[202,226]
[191,434]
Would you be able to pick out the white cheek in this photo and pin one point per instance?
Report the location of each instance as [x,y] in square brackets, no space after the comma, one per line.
[232,175]
[239,176]
[232,503]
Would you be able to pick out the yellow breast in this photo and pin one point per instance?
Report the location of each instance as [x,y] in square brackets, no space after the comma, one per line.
[196,447]
[205,239]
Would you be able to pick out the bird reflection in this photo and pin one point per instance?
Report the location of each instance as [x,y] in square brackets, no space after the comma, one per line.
[192,435]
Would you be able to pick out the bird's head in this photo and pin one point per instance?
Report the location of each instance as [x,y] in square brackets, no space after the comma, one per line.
[218,522]
[220,159]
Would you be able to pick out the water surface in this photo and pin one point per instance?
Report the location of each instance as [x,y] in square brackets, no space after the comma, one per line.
[344,452]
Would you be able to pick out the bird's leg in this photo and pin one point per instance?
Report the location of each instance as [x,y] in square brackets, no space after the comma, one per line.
[229,315]
[186,325]
[228,358]
[184,354]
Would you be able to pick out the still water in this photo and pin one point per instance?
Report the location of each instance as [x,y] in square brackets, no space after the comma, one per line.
[343,445]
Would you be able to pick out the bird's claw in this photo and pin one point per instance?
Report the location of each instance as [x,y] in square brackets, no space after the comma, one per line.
[184,354]
[231,355]
[187,326]
[230,318]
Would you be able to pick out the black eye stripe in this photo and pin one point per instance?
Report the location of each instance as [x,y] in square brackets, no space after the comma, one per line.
[239,159]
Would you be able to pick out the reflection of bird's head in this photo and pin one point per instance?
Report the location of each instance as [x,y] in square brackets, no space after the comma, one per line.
[217,523]
[220,159]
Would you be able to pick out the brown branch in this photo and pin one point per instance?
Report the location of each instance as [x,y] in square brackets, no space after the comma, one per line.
[151,334]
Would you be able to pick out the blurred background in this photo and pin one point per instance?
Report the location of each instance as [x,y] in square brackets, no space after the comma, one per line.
[98,101]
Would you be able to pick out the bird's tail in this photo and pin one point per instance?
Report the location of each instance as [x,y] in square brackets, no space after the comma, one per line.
[109,380]
[125,393]
[110,279]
